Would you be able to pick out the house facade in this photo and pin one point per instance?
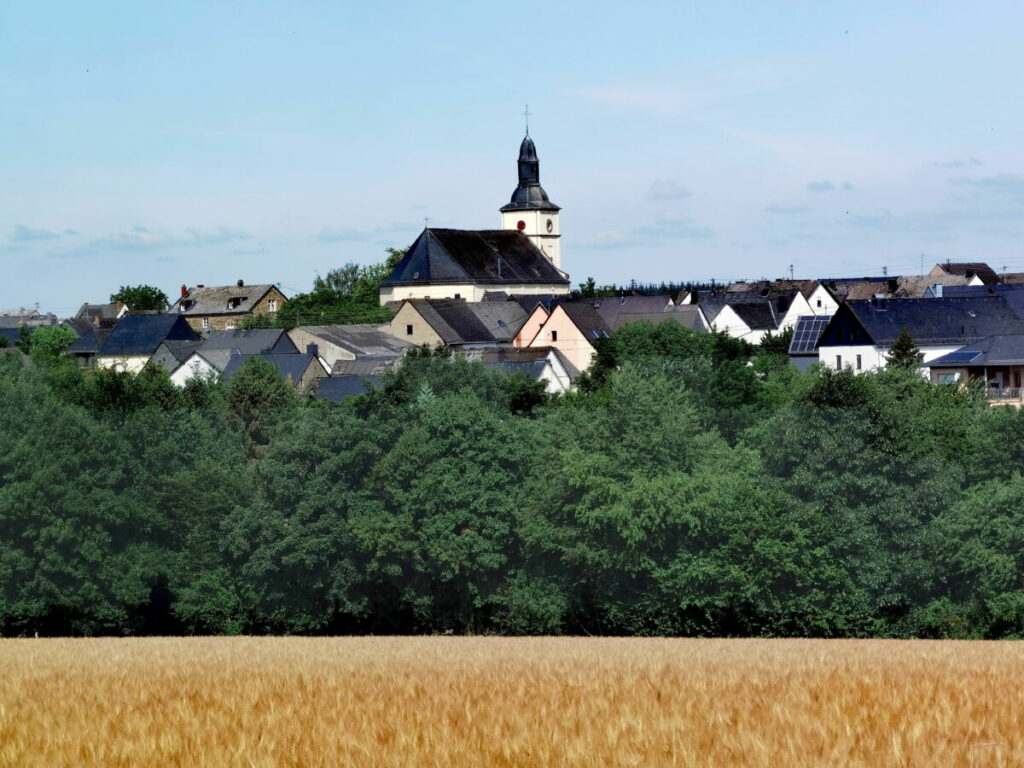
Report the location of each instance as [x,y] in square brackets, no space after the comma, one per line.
[225,308]
[861,333]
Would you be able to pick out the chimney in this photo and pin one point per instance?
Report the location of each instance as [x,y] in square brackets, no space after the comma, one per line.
[313,349]
[200,286]
[184,290]
[241,283]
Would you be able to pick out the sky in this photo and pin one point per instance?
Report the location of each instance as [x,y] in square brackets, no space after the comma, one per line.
[204,142]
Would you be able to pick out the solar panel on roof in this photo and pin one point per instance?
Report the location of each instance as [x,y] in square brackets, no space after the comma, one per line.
[806,333]
[959,357]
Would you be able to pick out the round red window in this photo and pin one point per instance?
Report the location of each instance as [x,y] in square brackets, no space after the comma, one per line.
[521,225]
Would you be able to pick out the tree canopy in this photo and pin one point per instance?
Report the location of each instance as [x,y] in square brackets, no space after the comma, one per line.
[141,298]
[691,487]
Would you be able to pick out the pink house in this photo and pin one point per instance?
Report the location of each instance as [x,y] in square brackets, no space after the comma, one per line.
[571,328]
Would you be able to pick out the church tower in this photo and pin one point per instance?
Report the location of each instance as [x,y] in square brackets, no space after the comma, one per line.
[530,211]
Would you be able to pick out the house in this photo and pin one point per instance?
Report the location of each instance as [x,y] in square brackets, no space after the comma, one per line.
[974,269]
[200,365]
[135,339]
[298,369]
[573,328]
[172,353]
[540,363]
[860,333]
[457,323]
[355,341]
[32,318]
[338,389]
[688,316]
[250,342]
[803,347]
[223,308]
[931,286]
[742,316]
[998,361]
[467,264]
[366,367]
[92,316]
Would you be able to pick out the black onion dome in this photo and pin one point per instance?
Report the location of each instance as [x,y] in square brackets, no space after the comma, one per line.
[529,194]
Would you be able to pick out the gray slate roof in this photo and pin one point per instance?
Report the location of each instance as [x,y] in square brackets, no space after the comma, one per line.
[586,318]
[251,342]
[290,366]
[221,300]
[991,351]
[492,256]
[462,322]
[949,320]
[361,339]
[610,308]
[364,367]
[686,315]
[340,388]
[142,334]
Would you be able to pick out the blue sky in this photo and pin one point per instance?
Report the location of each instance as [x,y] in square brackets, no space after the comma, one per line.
[202,142]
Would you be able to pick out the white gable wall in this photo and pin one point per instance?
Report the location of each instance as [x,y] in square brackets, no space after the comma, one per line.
[821,302]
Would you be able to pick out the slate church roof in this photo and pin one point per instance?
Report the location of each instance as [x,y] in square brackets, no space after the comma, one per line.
[529,194]
[493,256]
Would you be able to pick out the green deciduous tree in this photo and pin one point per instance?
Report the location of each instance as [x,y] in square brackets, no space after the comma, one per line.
[140,298]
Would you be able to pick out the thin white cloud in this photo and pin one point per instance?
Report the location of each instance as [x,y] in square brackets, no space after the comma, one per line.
[608,239]
[821,186]
[666,189]
[140,238]
[651,96]
[970,162]
[22,234]
[787,210]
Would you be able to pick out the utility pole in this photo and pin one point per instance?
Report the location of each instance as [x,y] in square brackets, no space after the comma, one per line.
[790,271]
[885,271]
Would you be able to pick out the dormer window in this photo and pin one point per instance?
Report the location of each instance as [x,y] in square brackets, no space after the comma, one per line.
[235,301]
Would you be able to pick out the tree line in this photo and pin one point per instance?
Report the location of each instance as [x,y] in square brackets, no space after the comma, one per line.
[692,486]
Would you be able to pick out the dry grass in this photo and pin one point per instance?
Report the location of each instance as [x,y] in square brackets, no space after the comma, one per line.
[509,702]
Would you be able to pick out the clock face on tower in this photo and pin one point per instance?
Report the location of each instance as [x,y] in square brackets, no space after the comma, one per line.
[550,225]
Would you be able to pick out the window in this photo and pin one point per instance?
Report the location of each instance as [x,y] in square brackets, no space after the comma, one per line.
[819,302]
[948,378]
[408,330]
[858,362]
[554,335]
[206,323]
[458,295]
[271,305]
[229,326]
[839,362]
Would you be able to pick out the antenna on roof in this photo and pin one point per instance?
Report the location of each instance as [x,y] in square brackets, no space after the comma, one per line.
[426,222]
[790,271]
[526,114]
[885,271]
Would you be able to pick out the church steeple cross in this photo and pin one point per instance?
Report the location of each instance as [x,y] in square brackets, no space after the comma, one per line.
[526,114]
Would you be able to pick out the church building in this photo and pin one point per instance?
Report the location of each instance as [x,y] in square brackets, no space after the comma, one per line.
[523,257]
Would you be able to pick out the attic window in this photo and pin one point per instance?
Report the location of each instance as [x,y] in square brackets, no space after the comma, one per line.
[408,330]
[271,305]
[235,301]
[458,295]
[554,335]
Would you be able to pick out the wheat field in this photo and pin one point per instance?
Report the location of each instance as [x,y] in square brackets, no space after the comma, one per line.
[509,702]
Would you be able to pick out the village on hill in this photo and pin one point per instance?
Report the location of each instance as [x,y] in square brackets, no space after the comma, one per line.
[503,297]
